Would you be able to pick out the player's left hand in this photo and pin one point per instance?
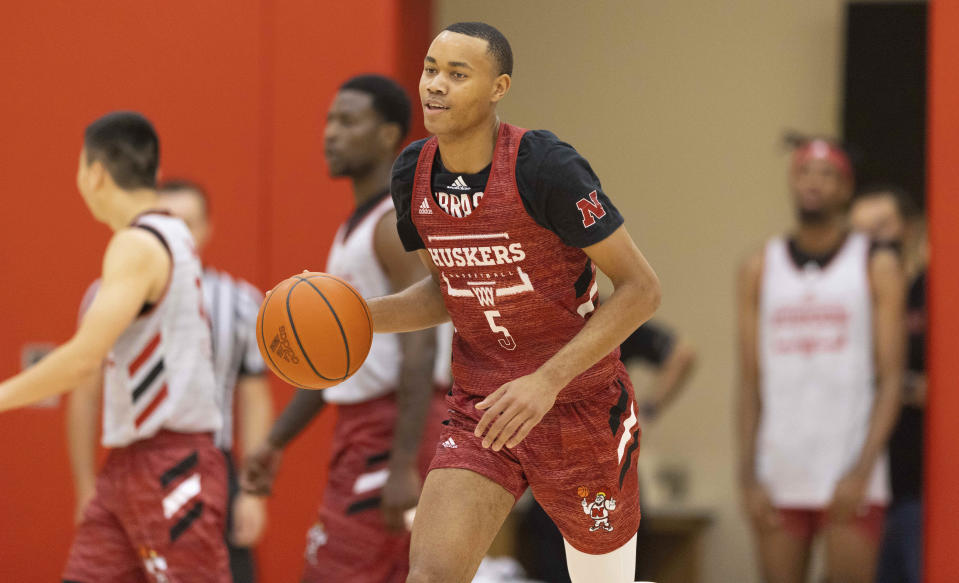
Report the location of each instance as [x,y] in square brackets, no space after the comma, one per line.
[249,519]
[847,498]
[400,493]
[514,409]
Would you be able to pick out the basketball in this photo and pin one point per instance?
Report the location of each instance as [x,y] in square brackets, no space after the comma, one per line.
[583,491]
[314,330]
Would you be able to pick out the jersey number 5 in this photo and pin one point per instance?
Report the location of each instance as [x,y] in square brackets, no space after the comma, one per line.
[508,343]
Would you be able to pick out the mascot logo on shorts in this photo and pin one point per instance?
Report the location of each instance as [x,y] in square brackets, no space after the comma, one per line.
[599,511]
[154,564]
[316,537]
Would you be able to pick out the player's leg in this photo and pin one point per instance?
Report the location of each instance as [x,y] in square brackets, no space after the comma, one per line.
[784,550]
[457,518]
[581,465]
[852,548]
[175,492]
[101,551]
[615,566]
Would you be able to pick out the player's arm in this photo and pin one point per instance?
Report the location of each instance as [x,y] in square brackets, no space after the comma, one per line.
[263,461]
[417,307]
[636,295]
[755,499]
[135,270]
[83,411]
[516,407]
[256,409]
[415,389]
[888,292]
[256,413]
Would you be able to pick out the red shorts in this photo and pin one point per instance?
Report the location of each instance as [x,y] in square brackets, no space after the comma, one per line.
[349,543]
[157,515]
[804,523]
[580,462]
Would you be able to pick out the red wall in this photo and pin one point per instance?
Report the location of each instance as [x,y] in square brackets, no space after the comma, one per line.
[942,437]
[238,96]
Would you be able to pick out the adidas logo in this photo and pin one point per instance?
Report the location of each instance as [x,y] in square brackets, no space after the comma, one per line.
[459,184]
[449,443]
[425,208]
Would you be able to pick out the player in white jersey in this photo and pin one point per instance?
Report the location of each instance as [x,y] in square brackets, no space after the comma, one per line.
[157,514]
[238,369]
[390,411]
[821,349]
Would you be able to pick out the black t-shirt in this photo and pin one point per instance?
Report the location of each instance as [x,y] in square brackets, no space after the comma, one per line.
[650,343]
[906,442]
[551,177]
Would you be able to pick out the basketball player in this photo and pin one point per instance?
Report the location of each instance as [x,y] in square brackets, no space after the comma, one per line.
[821,324]
[157,514]
[513,225]
[889,214]
[232,306]
[389,412]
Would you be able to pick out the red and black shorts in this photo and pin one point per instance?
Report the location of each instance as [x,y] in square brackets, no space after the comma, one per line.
[157,515]
[580,462]
[350,542]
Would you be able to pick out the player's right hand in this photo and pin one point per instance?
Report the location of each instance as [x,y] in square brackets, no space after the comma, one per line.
[759,506]
[259,470]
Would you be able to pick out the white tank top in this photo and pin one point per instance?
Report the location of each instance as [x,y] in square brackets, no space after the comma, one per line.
[159,374]
[817,380]
[353,258]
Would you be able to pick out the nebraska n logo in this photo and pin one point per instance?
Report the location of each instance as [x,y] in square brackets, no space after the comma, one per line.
[591,209]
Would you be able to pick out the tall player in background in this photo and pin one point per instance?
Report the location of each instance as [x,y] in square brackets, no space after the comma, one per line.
[157,512]
[389,412]
[232,306]
[513,225]
[821,353]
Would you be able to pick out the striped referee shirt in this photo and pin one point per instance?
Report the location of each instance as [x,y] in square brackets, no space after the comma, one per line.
[232,305]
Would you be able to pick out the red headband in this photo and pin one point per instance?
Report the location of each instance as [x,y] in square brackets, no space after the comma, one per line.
[823,150]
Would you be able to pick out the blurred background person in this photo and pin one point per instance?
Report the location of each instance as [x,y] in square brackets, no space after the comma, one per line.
[231,305]
[890,215]
[821,350]
[389,413]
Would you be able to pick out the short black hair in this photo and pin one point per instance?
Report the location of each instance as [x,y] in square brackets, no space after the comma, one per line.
[179,184]
[127,145]
[389,99]
[498,46]
[905,202]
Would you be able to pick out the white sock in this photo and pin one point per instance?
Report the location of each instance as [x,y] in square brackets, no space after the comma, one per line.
[614,567]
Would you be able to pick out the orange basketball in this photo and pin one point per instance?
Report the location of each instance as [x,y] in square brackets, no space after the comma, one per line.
[314,330]
[583,491]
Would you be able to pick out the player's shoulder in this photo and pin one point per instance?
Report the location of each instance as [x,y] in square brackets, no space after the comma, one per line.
[404,167]
[135,241]
[538,146]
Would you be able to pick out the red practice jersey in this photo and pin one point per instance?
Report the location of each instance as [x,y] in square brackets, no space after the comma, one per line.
[515,291]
